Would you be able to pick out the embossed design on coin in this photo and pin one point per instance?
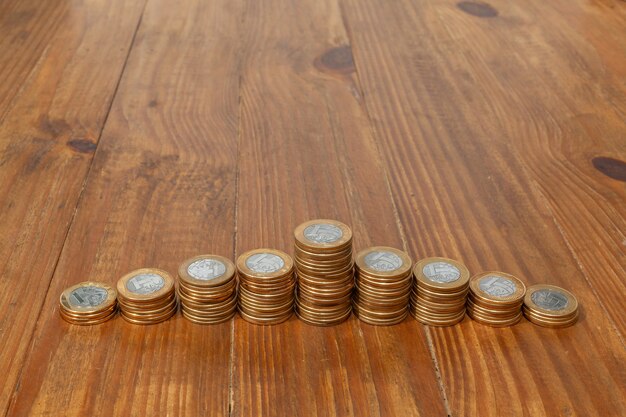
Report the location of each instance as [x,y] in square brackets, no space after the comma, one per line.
[88,296]
[549,300]
[497,286]
[206,269]
[323,233]
[145,283]
[383,261]
[265,263]
[442,272]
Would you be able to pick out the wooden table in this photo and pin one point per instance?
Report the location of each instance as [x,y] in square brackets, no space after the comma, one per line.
[140,133]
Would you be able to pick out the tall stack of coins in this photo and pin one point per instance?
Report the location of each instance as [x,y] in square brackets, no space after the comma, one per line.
[439,292]
[496,299]
[88,303]
[207,289]
[323,256]
[266,286]
[383,285]
[146,296]
[550,306]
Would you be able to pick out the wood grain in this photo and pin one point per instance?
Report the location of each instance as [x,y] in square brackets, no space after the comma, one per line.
[443,111]
[161,189]
[47,139]
[306,151]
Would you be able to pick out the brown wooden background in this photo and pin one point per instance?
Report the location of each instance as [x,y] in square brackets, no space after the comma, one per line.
[140,133]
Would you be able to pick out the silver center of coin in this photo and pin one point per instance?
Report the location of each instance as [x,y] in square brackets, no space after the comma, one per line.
[497,286]
[549,299]
[323,233]
[383,261]
[442,272]
[88,296]
[206,269]
[145,283]
[265,263]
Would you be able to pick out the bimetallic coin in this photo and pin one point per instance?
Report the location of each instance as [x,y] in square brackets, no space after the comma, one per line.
[497,287]
[383,261]
[88,297]
[322,233]
[265,263]
[145,283]
[206,269]
[441,272]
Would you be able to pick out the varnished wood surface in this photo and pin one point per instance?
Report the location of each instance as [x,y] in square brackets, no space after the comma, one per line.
[140,133]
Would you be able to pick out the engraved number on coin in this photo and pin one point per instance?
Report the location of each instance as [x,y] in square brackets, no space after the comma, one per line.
[497,286]
[88,296]
[549,300]
[206,269]
[383,261]
[145,283]
[265,263]
[323,233]
[442,272]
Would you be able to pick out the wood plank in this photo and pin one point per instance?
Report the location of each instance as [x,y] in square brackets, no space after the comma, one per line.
[46,146]
[306,151]
[161,189]
[455,131]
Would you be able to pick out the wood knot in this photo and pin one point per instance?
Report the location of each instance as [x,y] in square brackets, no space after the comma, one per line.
[82,145]
[477,9]
[337,60]
[613,168]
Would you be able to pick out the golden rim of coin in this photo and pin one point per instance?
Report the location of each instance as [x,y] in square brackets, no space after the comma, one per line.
[323,235]
[88,316]
[208,321]
[312,321]
[148,321]
[383,262]
[438,323]
[497,288]
[72,303]
[494,322]
[264,267]
[550,300]
[156,284]
[446,275]
[147,304]
[551,324]
[373,321]
[266,321]
[87,322]
[210,277]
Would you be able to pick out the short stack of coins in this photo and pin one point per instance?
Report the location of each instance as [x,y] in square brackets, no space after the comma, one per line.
[550,306]
[146,296]
[325,268]
[207,289]
[266,286]
[88,303]
[439,291]
[383,282]
[495,299]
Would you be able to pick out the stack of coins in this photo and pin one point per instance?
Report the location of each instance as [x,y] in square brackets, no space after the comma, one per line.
[496,299]
[550,306]
[207,289]
[383,285]
[146,296]
[323,256]
[88,303]
[439,292]
[266,286]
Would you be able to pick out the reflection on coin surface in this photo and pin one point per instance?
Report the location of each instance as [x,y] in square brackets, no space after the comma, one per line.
[206,269]
[442,272]
[383,261]
[549,299]
[323,233]
[497,286]
[265,263]
[145,283]
[89,296]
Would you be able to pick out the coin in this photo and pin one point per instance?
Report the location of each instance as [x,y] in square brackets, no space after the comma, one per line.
[550,306]
[323,235]
[147,296]
[88,303]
